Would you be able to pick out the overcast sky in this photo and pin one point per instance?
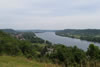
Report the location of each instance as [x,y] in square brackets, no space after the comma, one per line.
[50,14]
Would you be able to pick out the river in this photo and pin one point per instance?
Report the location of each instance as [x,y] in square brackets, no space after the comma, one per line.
[55,39]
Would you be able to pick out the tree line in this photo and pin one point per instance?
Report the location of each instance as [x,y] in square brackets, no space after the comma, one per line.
[85,34]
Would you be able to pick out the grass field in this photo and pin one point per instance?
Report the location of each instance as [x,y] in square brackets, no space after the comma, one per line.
[8,61]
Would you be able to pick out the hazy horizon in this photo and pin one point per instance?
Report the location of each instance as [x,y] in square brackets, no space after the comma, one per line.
[55,29]
[49,14]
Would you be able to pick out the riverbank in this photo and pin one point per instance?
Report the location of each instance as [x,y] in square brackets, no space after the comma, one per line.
[55,39]
[92,35]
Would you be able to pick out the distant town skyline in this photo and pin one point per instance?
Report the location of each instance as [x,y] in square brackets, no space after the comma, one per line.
[50,14]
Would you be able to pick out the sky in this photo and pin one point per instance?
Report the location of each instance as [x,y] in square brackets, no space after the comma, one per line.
[50,14]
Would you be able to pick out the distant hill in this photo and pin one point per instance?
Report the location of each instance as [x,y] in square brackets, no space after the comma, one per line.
[40,31]
[8,30]
[83,34]
[80,31]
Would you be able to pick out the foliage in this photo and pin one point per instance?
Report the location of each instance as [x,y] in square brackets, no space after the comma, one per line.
[86,34]
[32,38]
[67,55]
[60,54]
[93,52]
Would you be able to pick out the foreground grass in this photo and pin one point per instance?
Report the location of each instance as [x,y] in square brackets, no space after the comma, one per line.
[8,61]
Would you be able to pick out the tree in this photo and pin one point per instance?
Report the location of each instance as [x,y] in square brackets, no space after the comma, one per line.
[93,52]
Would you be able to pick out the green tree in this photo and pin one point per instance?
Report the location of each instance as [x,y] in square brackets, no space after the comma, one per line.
[93,52]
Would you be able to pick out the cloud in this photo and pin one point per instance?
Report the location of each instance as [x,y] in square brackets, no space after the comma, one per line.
[49,14]
[15,3]
[58,22]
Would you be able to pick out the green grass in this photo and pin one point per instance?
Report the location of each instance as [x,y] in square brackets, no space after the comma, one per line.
[9,61]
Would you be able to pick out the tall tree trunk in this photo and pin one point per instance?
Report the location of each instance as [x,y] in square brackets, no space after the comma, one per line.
[95,64]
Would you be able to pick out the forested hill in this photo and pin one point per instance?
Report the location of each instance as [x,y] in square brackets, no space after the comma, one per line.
[81,31]
[13,52]
[84,34]
[46,53]
[8,30]
[36,31]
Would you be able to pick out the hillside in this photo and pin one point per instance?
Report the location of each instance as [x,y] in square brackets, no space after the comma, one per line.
[8,61]
[23,53]
[36,31]
[8,30]
[20,53]
[80,31]
[84,34]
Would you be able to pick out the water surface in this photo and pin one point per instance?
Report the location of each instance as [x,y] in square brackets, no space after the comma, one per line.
[55,39]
